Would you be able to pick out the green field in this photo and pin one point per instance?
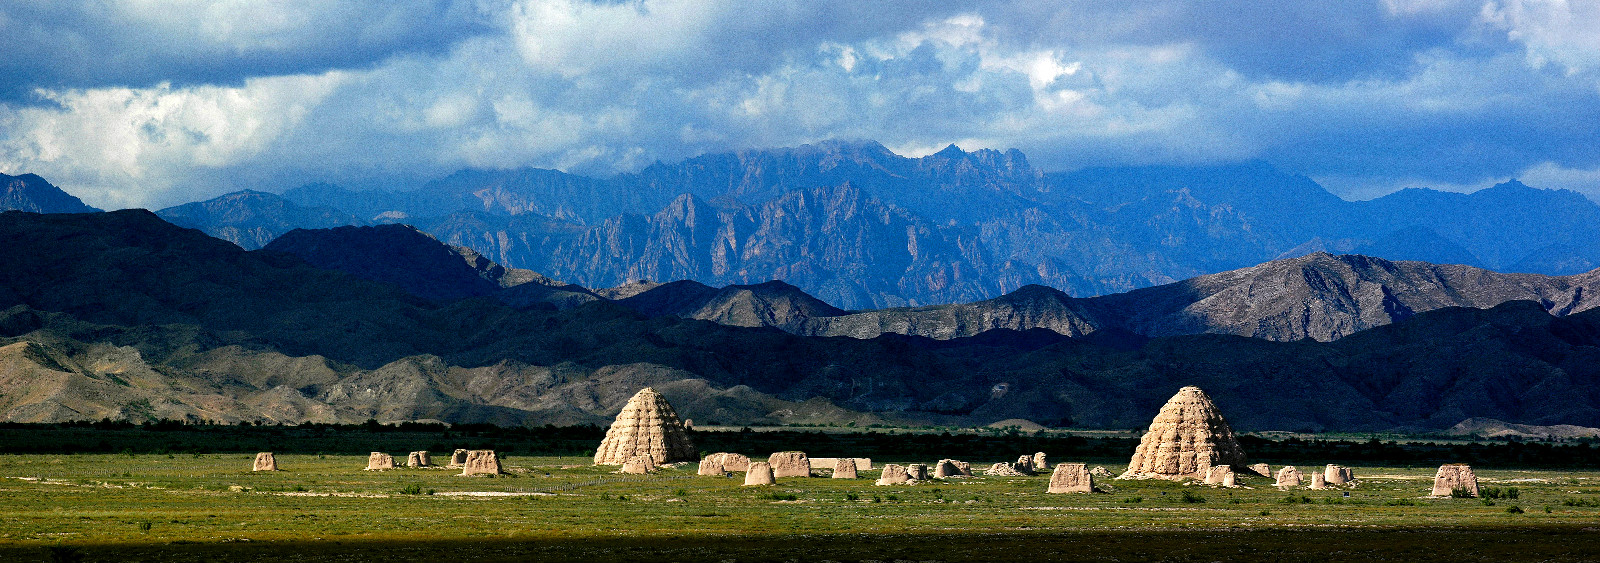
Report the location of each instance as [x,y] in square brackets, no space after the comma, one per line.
[211,507]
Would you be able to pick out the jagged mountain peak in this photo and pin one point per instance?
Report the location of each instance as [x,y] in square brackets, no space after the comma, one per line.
[29,192]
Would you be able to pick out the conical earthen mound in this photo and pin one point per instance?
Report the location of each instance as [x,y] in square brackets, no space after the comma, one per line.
[1187,437]
[649,427]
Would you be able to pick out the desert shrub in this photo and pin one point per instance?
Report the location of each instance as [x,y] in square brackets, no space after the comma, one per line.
[1460,492]
[1292,499]
[412,489]
[1400,502]
[1514,510]
[1133,500]
[1190,497]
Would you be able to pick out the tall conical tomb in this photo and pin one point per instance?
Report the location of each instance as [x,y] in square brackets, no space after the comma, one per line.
[1187,437]
[646,426]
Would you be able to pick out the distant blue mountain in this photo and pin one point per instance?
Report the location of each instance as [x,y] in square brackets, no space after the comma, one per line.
[861,227]
[251,219]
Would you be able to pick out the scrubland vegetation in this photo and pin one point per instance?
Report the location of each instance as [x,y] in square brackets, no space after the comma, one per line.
[209,507]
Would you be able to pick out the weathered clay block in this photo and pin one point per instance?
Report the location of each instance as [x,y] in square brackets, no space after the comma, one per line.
[820,463]
[1289,477]
[1335,475]
[1454,476]
[646,426]
[844,468]
[378,461]
[893,475]
[1071,478]
[1024,465]
[712,465]
[1261,469]
[1002,470]
[790,464]
[948,468]
[265,462]
[1039,463]
[1099,471]
[417,459]
[917,471]
[732,462]
[639,464]
[481,462]
[458,458]
[1318,481]
[1220,475]
[1187,436]
[759,473]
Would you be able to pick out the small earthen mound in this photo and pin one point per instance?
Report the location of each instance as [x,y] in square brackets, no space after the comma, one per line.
[1221,475]
[1186,437]
[1337,475]
[917,471]
[458,458]
[1024,465]
[722,462]
[379,461]
[417,459]
[481,462]
[1289,477]
[1318,481]
[639,465]
[265,462]
[789,464]
[1071,478]
[647,426]
[844,468]
[1454,476]
[1261,469]
[820,463]
[1099,471]
[1039,462]
[1003,470]
[893,475]
[759,473]
[949,468]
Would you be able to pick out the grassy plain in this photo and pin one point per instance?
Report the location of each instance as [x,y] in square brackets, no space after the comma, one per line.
[210,507]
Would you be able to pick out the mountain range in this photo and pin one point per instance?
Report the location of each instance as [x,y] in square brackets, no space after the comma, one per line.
[861,227]
[123,315]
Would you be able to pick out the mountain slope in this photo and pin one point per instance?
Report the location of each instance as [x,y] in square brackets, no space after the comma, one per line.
[1319,296]
[121,315]
[412,260]
[774,304]
[1325,297]
[28,192]
[251,219]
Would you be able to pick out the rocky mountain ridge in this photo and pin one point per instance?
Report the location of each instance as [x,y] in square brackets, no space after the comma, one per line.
[1319,296]
[122,315]
[29,192]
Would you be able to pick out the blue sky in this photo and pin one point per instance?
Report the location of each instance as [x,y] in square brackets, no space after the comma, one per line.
[145,103]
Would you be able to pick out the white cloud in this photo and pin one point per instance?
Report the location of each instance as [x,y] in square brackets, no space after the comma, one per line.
[1560,32]
[120,146]
[601,87]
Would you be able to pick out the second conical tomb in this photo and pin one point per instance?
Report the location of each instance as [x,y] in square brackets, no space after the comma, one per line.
[1187,437]
[649,427]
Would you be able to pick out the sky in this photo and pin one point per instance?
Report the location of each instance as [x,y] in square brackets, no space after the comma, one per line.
[150,103]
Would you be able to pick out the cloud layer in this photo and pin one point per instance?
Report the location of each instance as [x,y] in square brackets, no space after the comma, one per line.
[142,103]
